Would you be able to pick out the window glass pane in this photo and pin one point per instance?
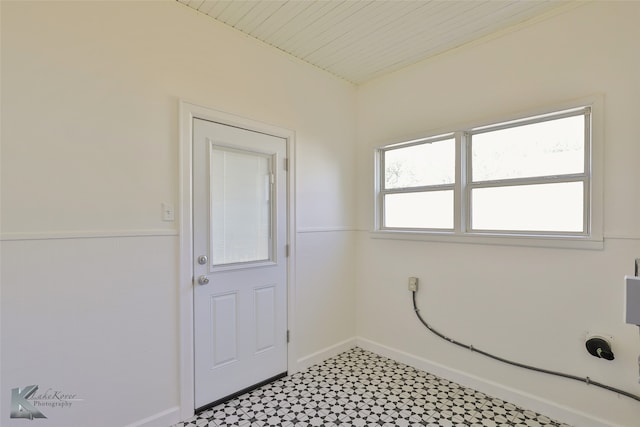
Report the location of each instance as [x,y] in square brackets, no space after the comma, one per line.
[554,147]
[545,207]
[240,207]
[417,165]
[432,209]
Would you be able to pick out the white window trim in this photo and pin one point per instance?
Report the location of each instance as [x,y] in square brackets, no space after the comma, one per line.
[593,240]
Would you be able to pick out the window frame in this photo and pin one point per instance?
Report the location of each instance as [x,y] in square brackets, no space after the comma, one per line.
[590,238]
[415,189]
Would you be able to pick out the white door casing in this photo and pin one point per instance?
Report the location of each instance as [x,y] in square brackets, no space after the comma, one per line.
[265,298]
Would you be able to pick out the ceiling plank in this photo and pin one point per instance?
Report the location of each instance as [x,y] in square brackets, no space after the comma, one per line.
[361,39]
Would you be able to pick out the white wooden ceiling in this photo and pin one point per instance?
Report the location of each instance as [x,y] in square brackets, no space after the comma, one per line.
[359,40]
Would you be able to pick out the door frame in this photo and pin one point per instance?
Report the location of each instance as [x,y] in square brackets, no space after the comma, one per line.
[187,112]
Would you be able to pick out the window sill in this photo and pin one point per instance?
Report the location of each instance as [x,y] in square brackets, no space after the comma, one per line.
[561,242]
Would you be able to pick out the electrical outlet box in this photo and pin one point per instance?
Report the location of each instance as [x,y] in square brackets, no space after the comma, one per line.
[632,300]
[413,284]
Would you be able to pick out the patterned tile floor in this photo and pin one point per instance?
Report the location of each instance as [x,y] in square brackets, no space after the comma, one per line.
[360,388]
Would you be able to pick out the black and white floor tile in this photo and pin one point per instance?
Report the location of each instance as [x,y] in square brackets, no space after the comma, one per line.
[359,388]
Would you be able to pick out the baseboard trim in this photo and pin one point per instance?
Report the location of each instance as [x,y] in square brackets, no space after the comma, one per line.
[162,419]
[325,353]
[517,397]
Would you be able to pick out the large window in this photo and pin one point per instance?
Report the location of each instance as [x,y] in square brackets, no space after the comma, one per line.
[525,178]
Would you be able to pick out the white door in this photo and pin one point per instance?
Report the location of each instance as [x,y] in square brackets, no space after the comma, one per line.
[240,271]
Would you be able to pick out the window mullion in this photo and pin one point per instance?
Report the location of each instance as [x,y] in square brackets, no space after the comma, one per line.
[588,152]
[460,198]
[530,181]
[421,189]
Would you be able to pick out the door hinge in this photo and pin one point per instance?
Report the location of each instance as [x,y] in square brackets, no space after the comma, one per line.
[286,164]
[288,336]
[286,250]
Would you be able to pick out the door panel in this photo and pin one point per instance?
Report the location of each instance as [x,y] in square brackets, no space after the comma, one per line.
[224,329]
[265,318]
[239,225]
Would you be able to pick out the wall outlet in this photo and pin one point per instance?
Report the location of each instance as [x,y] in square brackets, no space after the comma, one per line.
[413,284]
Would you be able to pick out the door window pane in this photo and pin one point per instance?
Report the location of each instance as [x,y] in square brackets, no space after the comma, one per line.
[544,207]
[240,206]
[431,210]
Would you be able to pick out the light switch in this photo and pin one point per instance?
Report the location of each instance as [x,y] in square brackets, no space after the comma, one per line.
[168,213]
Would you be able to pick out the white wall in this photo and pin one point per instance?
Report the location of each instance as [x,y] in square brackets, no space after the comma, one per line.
[90,95]
[89,151]
[533,305]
